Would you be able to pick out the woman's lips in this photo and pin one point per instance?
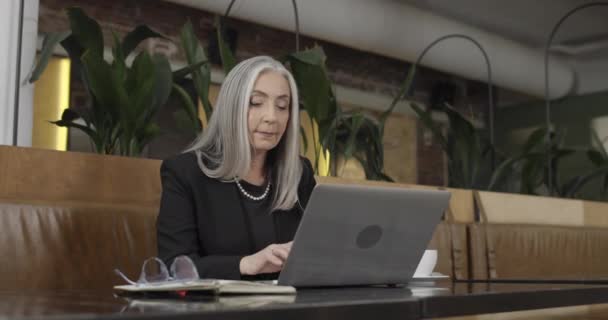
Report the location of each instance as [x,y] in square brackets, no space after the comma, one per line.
[265,134]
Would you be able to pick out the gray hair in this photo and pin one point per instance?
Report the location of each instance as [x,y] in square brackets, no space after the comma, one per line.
[225,144]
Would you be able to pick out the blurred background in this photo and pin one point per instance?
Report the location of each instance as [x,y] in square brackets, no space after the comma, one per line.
[454,124]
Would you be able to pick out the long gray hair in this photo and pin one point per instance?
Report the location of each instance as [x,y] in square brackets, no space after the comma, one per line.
[224,149]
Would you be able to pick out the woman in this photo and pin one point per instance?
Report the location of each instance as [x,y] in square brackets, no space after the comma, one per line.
[233,201]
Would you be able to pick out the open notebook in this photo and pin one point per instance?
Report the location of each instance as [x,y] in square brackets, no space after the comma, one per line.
[211,286]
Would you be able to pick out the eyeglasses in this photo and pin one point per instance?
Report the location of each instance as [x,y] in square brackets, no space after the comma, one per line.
[154,271]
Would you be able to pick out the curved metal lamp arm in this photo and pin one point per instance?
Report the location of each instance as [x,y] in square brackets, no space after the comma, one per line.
[547,99]
[489,73]
[296,18]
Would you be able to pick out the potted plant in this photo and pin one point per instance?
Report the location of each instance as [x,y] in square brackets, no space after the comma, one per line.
[123,97]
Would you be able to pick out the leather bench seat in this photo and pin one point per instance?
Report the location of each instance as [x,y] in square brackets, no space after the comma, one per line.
[521,251]
[67,219]
[73,246]
[450,241]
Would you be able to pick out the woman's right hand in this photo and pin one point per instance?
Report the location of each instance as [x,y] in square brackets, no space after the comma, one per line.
[267,260]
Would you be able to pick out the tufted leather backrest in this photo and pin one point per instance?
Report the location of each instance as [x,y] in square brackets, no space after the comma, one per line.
[73,247]
[450,241]
[520,251]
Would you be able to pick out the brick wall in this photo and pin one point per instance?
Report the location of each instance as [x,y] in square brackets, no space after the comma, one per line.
[348,67]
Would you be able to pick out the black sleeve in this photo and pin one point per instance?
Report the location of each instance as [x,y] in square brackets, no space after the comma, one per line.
[177,232]
[308,181]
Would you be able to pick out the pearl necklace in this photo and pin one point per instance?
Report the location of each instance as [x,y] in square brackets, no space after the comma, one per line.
[248,195]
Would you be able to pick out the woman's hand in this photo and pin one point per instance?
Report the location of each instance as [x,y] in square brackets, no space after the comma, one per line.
[267,260]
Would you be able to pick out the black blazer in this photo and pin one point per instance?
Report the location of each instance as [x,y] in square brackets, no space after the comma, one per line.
[202,217]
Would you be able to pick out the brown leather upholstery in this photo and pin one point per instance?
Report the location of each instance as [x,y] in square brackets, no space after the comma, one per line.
[67,219]
[515,251]
[450,241]
[73,247]
[477,251]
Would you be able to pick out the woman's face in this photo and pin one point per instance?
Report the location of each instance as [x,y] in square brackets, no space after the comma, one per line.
[268,110]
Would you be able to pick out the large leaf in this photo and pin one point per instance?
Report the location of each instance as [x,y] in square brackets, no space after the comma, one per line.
[201,76]
[228,60]
[316,94]
[427,120]
[501,172]
[69,115]
[354,126]
[372,143]
[136,36]
[118,64]
[140,85]
[597,158]
[507,168]
[532,173]
[181,73]
[464,149]
[556,158]
[187,117]
[358,135]
[535,141]
[107,89]
[67,120]
[144,105]
[48,46]
[86,30]
[598,144]
[144,136]
[163,85]
[74,49]
[141,69]
[304,139]
[572,187]
[184,123]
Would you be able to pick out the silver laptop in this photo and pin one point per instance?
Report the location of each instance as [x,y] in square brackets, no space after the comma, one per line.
[362,235]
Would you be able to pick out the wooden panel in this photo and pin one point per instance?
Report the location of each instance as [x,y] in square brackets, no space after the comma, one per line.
[546,251]
[321,179]
[461,203]
[462,206]
[478,252]
[515,208]
[442,242]
[45,175]
[596,214]
[4,170]
[400,148]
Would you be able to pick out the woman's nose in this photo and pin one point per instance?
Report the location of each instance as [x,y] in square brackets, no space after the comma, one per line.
[269,113]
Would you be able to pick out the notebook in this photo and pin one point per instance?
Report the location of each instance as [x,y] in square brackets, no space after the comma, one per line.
[212,286]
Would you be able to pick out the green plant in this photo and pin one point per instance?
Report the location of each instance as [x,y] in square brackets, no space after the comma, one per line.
[351,134]
[341,134]
[123,98]
[529,166]
[187,117]
[598,156]
[467,152]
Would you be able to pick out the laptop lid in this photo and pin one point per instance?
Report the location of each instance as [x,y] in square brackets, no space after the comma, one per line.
[362,235]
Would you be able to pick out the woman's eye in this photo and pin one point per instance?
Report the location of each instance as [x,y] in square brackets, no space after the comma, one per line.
[281,104]
[255,103]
